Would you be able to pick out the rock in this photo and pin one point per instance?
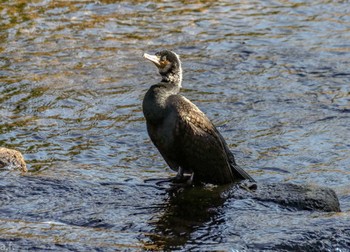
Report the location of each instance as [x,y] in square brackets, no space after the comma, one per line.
[12,160]
[303,197]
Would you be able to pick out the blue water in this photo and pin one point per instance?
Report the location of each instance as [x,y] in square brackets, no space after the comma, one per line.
[272,75]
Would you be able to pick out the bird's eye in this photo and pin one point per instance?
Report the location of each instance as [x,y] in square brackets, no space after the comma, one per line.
[163,58]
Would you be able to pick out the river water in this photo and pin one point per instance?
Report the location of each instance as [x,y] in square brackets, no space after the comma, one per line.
[272,75]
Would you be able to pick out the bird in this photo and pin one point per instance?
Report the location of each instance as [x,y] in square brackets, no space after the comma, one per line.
[12,160]
[185,137]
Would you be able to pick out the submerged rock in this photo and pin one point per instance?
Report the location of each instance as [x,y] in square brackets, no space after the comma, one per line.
[303,197]
[12,160]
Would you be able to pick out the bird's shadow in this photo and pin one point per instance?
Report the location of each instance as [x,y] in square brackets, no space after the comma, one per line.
[186,209]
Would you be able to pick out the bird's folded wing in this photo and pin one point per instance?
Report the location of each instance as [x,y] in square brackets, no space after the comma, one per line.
[197,132]
[199,143]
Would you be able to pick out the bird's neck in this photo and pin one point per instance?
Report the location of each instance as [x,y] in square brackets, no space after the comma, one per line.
[173,77]
[155,101]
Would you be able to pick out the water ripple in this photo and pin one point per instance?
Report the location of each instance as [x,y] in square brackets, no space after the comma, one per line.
[272,75]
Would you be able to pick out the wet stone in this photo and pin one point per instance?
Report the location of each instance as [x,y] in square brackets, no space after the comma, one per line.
[11,160]
[302,197]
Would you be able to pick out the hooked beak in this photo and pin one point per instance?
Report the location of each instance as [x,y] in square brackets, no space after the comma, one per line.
[153,58]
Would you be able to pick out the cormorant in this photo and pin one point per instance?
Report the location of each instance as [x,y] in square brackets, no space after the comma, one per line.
[185,137]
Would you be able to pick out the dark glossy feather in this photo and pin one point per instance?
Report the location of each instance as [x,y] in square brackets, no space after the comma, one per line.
[187,138]
[182,133]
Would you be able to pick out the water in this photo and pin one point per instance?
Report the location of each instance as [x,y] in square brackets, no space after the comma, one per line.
[272,75]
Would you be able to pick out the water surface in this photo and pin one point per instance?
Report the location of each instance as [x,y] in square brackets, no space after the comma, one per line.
[272,75]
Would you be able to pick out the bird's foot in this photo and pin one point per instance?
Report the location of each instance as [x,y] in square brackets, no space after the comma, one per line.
[190,180]
[183,180]
[179,179]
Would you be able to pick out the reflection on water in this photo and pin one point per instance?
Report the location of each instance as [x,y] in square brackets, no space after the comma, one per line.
[272,75]
[186,211]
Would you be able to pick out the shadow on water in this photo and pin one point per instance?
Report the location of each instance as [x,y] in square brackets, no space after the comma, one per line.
[185,211]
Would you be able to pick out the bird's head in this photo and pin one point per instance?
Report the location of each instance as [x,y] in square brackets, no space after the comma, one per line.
[168,64]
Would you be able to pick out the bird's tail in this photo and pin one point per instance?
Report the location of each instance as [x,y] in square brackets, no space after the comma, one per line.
[238,171]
